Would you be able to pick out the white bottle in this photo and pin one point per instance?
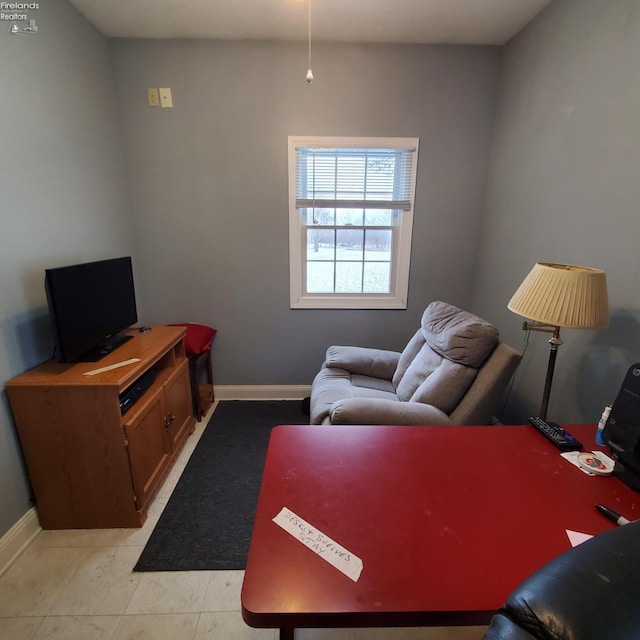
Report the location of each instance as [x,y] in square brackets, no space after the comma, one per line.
[603,421]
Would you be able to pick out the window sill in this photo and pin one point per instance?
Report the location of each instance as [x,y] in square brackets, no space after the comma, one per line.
[330,301]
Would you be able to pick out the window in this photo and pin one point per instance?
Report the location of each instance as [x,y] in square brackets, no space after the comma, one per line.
[350,221]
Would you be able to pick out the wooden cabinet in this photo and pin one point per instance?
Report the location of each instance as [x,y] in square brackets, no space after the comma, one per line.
[90,466]
[179,417]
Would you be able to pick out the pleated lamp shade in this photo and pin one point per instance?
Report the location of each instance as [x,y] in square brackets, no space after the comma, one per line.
[563,295]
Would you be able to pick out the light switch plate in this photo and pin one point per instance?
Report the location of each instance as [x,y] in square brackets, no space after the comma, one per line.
[153,100]
[165,97]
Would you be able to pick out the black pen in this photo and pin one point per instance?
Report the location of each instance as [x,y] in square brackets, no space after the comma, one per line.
[612,515]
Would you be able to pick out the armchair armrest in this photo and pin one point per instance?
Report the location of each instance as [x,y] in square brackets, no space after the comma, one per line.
[382,411]
[364,361]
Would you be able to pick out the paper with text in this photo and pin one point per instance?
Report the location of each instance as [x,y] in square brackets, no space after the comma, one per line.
[320,543]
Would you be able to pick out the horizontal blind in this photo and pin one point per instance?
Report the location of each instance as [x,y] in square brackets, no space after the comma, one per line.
[362,178]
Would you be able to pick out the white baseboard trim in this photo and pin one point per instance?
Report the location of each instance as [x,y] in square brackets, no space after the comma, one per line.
[15,541]
[261,392]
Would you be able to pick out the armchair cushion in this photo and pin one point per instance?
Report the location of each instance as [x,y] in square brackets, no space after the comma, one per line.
[458,335]
[361,383]
[443,386]
[407,356]
[381,411]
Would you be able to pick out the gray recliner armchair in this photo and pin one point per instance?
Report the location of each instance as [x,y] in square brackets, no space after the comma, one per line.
[453,371]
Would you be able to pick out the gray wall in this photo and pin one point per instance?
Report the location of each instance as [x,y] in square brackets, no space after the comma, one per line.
[63,193]
[209,184]
[564,187]
[208,192]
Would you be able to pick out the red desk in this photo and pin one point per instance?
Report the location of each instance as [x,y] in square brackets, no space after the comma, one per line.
[447,521]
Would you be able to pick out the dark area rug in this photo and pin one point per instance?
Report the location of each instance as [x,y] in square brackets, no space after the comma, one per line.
[207,522]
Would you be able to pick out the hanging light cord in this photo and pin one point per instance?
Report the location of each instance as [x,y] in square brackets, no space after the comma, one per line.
[309,34]
[309,77]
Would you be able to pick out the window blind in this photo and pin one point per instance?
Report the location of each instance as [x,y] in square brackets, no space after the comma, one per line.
[361,178]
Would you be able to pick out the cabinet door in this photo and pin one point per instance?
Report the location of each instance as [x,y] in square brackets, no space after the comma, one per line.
[149,449]
[178,405]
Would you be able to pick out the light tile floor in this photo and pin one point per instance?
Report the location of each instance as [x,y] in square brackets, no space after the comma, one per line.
[78,585]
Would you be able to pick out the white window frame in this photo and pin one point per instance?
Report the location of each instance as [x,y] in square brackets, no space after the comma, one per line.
[401,249]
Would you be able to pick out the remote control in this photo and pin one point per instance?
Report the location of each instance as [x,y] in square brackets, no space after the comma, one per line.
[556,435]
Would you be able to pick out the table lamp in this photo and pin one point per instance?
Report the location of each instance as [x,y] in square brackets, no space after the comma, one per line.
[560,295]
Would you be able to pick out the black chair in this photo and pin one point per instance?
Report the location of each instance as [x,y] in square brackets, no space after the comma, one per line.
[591,592]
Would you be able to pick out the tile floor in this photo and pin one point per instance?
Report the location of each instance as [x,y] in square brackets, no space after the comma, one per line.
[78,585]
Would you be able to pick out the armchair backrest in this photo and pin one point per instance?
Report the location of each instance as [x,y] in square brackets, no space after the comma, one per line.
[479,403]
[442,360]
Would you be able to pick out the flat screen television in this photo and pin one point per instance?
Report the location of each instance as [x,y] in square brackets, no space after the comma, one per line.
[89,305]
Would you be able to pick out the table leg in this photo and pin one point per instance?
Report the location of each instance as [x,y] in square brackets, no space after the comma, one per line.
[287,633]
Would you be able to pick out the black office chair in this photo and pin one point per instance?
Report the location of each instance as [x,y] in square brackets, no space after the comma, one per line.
[591,592]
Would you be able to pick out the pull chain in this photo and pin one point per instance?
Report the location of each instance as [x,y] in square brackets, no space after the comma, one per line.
[309,77]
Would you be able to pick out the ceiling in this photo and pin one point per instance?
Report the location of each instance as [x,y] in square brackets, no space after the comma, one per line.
[487,22]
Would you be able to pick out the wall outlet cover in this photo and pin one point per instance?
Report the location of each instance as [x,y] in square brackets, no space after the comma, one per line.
[153,99]
[165,97]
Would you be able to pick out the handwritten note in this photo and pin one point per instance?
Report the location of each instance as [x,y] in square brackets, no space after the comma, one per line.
[320,543]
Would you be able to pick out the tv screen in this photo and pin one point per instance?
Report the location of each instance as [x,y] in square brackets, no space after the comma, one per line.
[89,305]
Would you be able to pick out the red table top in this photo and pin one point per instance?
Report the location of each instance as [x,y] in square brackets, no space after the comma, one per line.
[447,521]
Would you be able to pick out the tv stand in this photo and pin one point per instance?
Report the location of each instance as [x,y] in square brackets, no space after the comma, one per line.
[103,349]
[89,465]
